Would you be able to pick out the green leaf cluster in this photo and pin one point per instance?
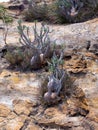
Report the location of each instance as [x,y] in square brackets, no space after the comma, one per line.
[20,26]
[6,18]
[55,63]
[64,3]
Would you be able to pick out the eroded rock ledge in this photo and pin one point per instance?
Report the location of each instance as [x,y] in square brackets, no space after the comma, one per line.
[20,107]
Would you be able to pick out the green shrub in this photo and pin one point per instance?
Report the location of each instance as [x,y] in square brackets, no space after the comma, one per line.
[54,14]
[7,21]
[50,13]
[36,12]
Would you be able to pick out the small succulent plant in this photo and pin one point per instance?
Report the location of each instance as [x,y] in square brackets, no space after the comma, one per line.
[56,80]
[40,45]
[33,53]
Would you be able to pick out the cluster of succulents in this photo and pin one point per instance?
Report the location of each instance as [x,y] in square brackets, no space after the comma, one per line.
[31,54]
[55,87]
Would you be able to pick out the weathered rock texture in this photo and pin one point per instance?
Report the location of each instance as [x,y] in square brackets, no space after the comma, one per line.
[20,107]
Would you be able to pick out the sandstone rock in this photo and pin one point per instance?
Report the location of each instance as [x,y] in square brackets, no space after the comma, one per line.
[11,116]
[77,64]
[14,125]
[61,121]
[68,114]
[4,110]
[68,53]
[22,107]
[89,85]
[76,107]
[2,119]
[20,84]
[33,127]
[81,107]
[51,112]
[93,115]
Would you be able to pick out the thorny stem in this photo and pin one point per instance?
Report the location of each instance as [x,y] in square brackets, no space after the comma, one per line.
[5,34]
[41,40]
[56,79]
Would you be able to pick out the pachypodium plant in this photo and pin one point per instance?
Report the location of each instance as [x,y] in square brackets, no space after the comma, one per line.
[40,44]
[56,79]
[70,8]
[61,11]
[55,64]
[7,21]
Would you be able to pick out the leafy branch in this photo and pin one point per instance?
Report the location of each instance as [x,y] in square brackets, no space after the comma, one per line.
[40,44]
[7,20]
[41,38]
[56,79]
[55,64]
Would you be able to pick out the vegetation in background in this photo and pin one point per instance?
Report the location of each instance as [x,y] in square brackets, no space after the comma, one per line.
[56,12]
[61,11]
[7,21]
[36,12]
[44,12]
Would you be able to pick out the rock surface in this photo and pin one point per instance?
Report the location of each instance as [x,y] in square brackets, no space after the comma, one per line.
[20,107]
